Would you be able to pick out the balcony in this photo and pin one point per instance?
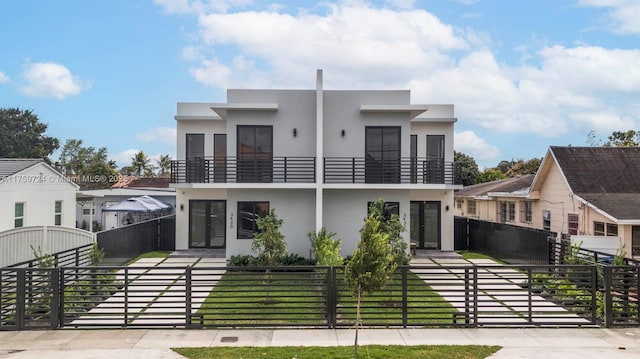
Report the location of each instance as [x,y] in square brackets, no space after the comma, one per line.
[240,170]
[403,170]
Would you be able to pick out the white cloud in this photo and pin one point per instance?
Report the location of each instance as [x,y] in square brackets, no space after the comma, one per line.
[470,144]
[124,158]
[48,79]
[3,78]
[624,14]
[159,134]
[554,91]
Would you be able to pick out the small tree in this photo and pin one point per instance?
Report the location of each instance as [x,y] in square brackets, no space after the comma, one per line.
[268,243]
[325,247]
[391,225]
[371,265]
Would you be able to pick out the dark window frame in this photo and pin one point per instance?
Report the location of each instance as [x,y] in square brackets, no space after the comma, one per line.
[242,231]
[573,223]
[599,228]
[471,206]
[57,213]
[546,220]
[18,219]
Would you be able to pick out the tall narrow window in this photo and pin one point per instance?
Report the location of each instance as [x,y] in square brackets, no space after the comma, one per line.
[434,164]
[546,220]
[512,211]
[255,154]
[598,228]
[471,206]
[382,154]
[526,212]
[19,215]
[220,157]
[196,165]
[58,213]
[248,213]
[414,158]
[572,220]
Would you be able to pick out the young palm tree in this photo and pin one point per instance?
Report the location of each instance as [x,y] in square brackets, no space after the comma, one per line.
[164,165]
[140,163]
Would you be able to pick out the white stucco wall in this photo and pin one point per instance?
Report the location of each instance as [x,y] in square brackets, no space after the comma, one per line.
[39,187]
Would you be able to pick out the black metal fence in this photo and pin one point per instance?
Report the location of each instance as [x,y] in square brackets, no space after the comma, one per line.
[402,170]
[511,244]
[130,241]
[306,296]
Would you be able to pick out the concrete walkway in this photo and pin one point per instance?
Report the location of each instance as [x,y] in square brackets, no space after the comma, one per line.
[133,343]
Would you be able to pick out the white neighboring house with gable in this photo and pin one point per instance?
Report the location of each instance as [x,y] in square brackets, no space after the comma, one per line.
[32,193]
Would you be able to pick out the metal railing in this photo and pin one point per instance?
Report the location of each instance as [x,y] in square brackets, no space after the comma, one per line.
[403,170]
[240,170]
[307,296]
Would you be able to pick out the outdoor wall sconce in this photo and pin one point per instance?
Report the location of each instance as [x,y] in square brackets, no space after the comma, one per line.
[447,208]
[295,132]
[342,133]
[181,207]
[231,220]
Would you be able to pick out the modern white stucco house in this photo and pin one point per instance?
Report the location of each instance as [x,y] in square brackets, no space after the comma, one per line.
[32,193]
[318,157]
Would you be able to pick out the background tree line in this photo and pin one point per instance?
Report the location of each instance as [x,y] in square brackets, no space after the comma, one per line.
[22,135]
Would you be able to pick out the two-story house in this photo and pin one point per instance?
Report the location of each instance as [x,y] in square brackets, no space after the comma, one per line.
[318,157]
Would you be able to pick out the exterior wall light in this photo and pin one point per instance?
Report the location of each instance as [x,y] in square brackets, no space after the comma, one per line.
[181,207]
[342,133]
[295,132]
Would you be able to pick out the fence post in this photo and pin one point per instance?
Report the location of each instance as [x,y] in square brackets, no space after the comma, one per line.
[467,306]
[187,299]
[331,297]
[475,297]
[61,286]
[20,297]
[608,297]
[529,296]
[126,296]
[54,305]
[594,291]
[405,310]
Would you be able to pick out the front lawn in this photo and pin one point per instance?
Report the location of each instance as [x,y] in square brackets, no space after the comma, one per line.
[343,352]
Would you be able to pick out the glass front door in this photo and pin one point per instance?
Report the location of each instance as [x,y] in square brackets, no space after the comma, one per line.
[207,224]
[425,224]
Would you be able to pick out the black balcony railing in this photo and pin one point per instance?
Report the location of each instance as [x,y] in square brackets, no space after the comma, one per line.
[241,170]
[403,170]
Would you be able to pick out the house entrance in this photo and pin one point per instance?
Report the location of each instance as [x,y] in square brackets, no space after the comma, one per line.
[207,221]
[425,224]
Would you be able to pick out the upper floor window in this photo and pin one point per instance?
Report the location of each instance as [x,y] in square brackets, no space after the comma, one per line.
[459,204]
[471,206]
[19,215]
[58,213]
[598,228]
[255,153]
[526,211]
[382,154]
[248,213]
[546,220]
[572,219]
[612,229]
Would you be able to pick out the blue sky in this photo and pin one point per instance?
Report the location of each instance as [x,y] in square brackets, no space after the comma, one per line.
[523,75]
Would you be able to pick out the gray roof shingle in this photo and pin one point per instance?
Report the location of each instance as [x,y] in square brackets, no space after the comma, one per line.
[9,166]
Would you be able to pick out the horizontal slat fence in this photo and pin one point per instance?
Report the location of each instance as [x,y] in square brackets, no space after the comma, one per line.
[306,296]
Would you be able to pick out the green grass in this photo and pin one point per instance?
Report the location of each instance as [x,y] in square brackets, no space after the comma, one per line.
[476,255]
[289,298]
[383,307]
[342,352]
[253,298]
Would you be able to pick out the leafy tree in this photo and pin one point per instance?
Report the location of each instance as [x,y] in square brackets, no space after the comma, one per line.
[141,165]
[268,243]
[628,138]
[504,166]
[22,135]
[524,167]
[468,168]
[371,265]
[325,247]
[393,227]
[490,174]
[91,165]
[164,165]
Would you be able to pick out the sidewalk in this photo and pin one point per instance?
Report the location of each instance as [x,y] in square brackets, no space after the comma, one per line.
[156,343]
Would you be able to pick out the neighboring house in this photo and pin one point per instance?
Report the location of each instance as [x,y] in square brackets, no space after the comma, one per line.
[318,157]
[503,201]
[577,191]
[32,193]
[91,203]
